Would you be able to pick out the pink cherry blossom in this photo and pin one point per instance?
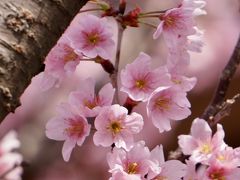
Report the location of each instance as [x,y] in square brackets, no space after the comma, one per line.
[10,162]
[60,61]
[175,22]
[226,158]
[129,165]
[91,36]
[114,125]
[139,81]
[166,104]
[86,101]
[69,126]
[215,172]
[170,170]
[200,144]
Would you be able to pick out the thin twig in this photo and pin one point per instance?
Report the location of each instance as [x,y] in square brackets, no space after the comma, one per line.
[219,96]
[225,110]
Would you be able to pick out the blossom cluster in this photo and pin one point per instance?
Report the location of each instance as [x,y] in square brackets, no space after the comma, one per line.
[10,161]
[163,90]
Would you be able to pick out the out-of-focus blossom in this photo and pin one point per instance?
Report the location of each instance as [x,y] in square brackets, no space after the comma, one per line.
[139,81]
[85,100]
[200,144]
[69,126]
[10,162]
[114,125]
[166,104]
[170,170]
[91,36]
[195,5]
[129,165]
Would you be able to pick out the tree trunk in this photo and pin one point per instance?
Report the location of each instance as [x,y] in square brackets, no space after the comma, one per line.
[28,30]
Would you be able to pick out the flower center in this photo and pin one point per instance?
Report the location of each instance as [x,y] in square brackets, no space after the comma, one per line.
[221,158]
[162,103]
[206,149]
[76,128]
[132,168]
[115,127]
[140,84]
[70,54]
[217,174]
[93,38]
[176,81]
[169,21]
[90,104]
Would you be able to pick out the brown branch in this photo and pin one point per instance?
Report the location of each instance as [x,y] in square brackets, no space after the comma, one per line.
[219,96]
[28,30]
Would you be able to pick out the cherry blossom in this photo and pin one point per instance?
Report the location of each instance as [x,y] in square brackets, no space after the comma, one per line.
[139,81]
[60,61]
[175,22]
[10,162]
[87,102]
[69,126]
[170,170]
[200,144]
[114,125]
[129,165]
[166,104]
[91,36]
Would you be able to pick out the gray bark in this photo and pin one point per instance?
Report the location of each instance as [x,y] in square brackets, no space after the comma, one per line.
[28,30]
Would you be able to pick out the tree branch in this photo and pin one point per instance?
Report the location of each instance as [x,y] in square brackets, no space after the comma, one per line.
[28,30]
[217,102]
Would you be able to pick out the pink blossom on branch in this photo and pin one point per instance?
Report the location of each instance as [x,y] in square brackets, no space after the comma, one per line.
[200,144]
[91,36]
[175,22]
[139,81]
[114,125]
[161,169]
[69,126]
[87,102]
[62,60]
[129,165]
[166,104]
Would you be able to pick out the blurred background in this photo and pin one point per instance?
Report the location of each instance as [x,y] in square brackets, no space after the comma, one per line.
[222,28]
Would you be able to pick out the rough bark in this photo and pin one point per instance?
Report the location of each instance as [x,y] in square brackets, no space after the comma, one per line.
[28,30]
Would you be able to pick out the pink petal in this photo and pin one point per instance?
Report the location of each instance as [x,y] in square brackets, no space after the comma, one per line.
[68,146]
[201,130]
[187,143]
[102,138]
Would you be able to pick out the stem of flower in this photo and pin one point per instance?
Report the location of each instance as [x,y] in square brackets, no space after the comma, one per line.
[148,24]
[114,76]
[155,12]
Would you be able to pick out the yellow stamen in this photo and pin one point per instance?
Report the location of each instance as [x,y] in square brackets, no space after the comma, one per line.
[132,168]
[93,38]
[115,127]
[162,103]
[140,84]
[169,21]
[206,149]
